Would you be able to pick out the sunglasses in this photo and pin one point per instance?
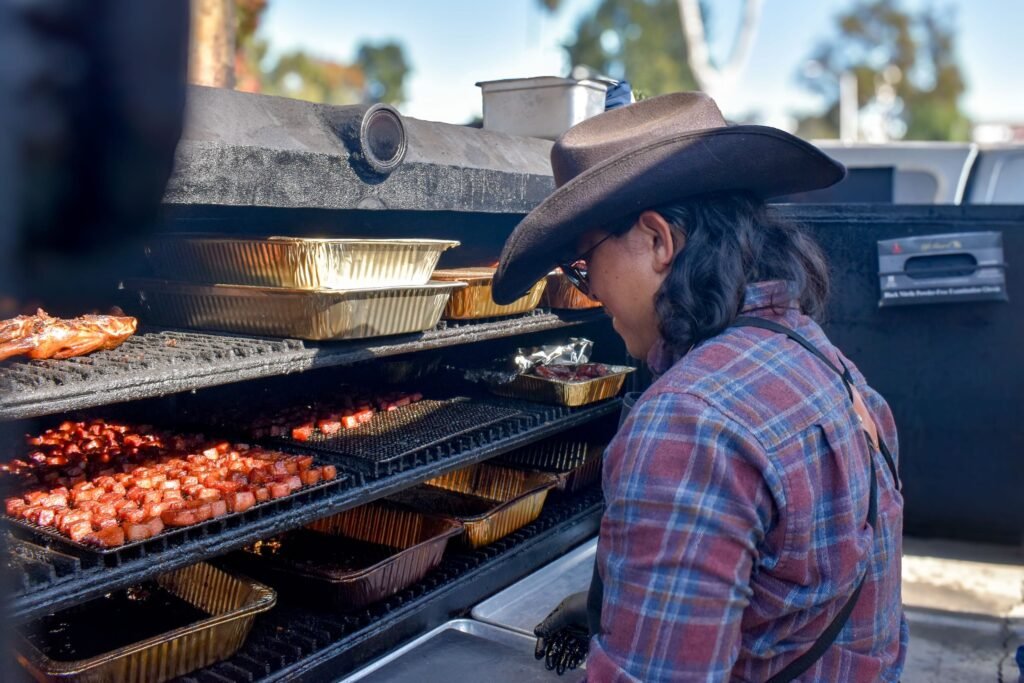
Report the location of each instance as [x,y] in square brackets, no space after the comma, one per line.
[576,270]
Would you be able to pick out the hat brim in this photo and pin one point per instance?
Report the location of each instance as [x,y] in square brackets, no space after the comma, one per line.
[763,161]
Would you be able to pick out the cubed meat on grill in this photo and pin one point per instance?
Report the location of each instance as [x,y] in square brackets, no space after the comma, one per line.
[166,480]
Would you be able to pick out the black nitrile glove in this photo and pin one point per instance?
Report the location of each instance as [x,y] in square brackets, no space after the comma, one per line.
[563,637]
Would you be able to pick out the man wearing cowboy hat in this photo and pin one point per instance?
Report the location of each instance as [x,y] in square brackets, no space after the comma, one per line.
[753,518]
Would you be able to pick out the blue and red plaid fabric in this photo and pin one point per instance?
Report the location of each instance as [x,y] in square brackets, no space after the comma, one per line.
[736,520]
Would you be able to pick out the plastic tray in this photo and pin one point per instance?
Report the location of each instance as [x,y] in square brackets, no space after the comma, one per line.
[475,300]
[524,604]
[295,262]
[460,650]
[317,315]
[576,463]
[560,293]
[573,394]
[421,539]
[518,498]
[231,601]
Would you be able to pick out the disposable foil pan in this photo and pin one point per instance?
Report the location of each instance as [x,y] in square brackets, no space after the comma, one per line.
[533,388]
[420,537]
[560,293]
[475,300]
[318,315]
[518,498]
[295,262]
[576,463]
[232,603]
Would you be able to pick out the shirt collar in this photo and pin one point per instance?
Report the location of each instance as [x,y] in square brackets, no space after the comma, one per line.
[775,295]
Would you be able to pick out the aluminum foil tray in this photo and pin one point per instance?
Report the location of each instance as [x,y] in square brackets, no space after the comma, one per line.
[475,300]
[460,650]
[419,541]
[576,463]
[518,497]
[385,443]
[560,293]
[232,603]
[573,394]
[524,604]
[319,315]
[295,262]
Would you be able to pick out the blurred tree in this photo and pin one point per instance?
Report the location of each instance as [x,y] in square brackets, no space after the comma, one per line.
[639,40]
[212,37]
[377,74]
[250,49]
[904,60]
[385,69]
[301,77]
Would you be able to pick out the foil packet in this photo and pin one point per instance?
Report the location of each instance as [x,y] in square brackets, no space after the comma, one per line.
[576,351]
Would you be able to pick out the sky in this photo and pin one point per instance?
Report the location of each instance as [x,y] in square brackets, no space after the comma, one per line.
[452,44]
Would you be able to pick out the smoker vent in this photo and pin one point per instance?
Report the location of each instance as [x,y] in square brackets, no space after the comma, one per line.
[284,640]
[156,363]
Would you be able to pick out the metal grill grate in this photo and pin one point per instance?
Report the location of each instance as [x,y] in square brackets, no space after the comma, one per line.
[388,443]
[163,362]
[289,634]
[31,566]
[40,590]
[169,534]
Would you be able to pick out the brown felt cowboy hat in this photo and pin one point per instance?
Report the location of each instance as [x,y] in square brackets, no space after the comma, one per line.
[644,155]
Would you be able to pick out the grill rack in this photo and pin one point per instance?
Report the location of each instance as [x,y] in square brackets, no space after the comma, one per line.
[56,538]
[43,590]
[391,441]
[293,640]
[30,565]
[158,362]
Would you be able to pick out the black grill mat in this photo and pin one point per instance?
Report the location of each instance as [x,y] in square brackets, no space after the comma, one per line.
[390,440]
[156,363]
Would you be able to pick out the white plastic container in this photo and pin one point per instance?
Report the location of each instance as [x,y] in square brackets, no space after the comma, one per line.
[543,107]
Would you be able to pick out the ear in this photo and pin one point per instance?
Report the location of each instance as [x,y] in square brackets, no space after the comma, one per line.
[660,238]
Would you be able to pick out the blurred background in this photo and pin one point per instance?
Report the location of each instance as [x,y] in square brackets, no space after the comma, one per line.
[92,96]
[896,69]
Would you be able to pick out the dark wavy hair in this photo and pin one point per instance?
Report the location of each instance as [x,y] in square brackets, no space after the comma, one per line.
[732,241]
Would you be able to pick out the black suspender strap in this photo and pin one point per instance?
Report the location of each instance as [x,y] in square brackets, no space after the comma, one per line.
[805,661]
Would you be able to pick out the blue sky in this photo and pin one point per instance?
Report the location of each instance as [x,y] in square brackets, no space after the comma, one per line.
[452,44]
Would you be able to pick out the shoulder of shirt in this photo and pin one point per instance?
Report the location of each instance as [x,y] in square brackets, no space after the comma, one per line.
[727,372]
[663,400]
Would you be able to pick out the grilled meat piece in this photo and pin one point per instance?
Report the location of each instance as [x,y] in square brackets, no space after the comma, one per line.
[571,373]
[42,336]
[16,328]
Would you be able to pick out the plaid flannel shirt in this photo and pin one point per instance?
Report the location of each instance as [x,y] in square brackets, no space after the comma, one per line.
[735,526]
